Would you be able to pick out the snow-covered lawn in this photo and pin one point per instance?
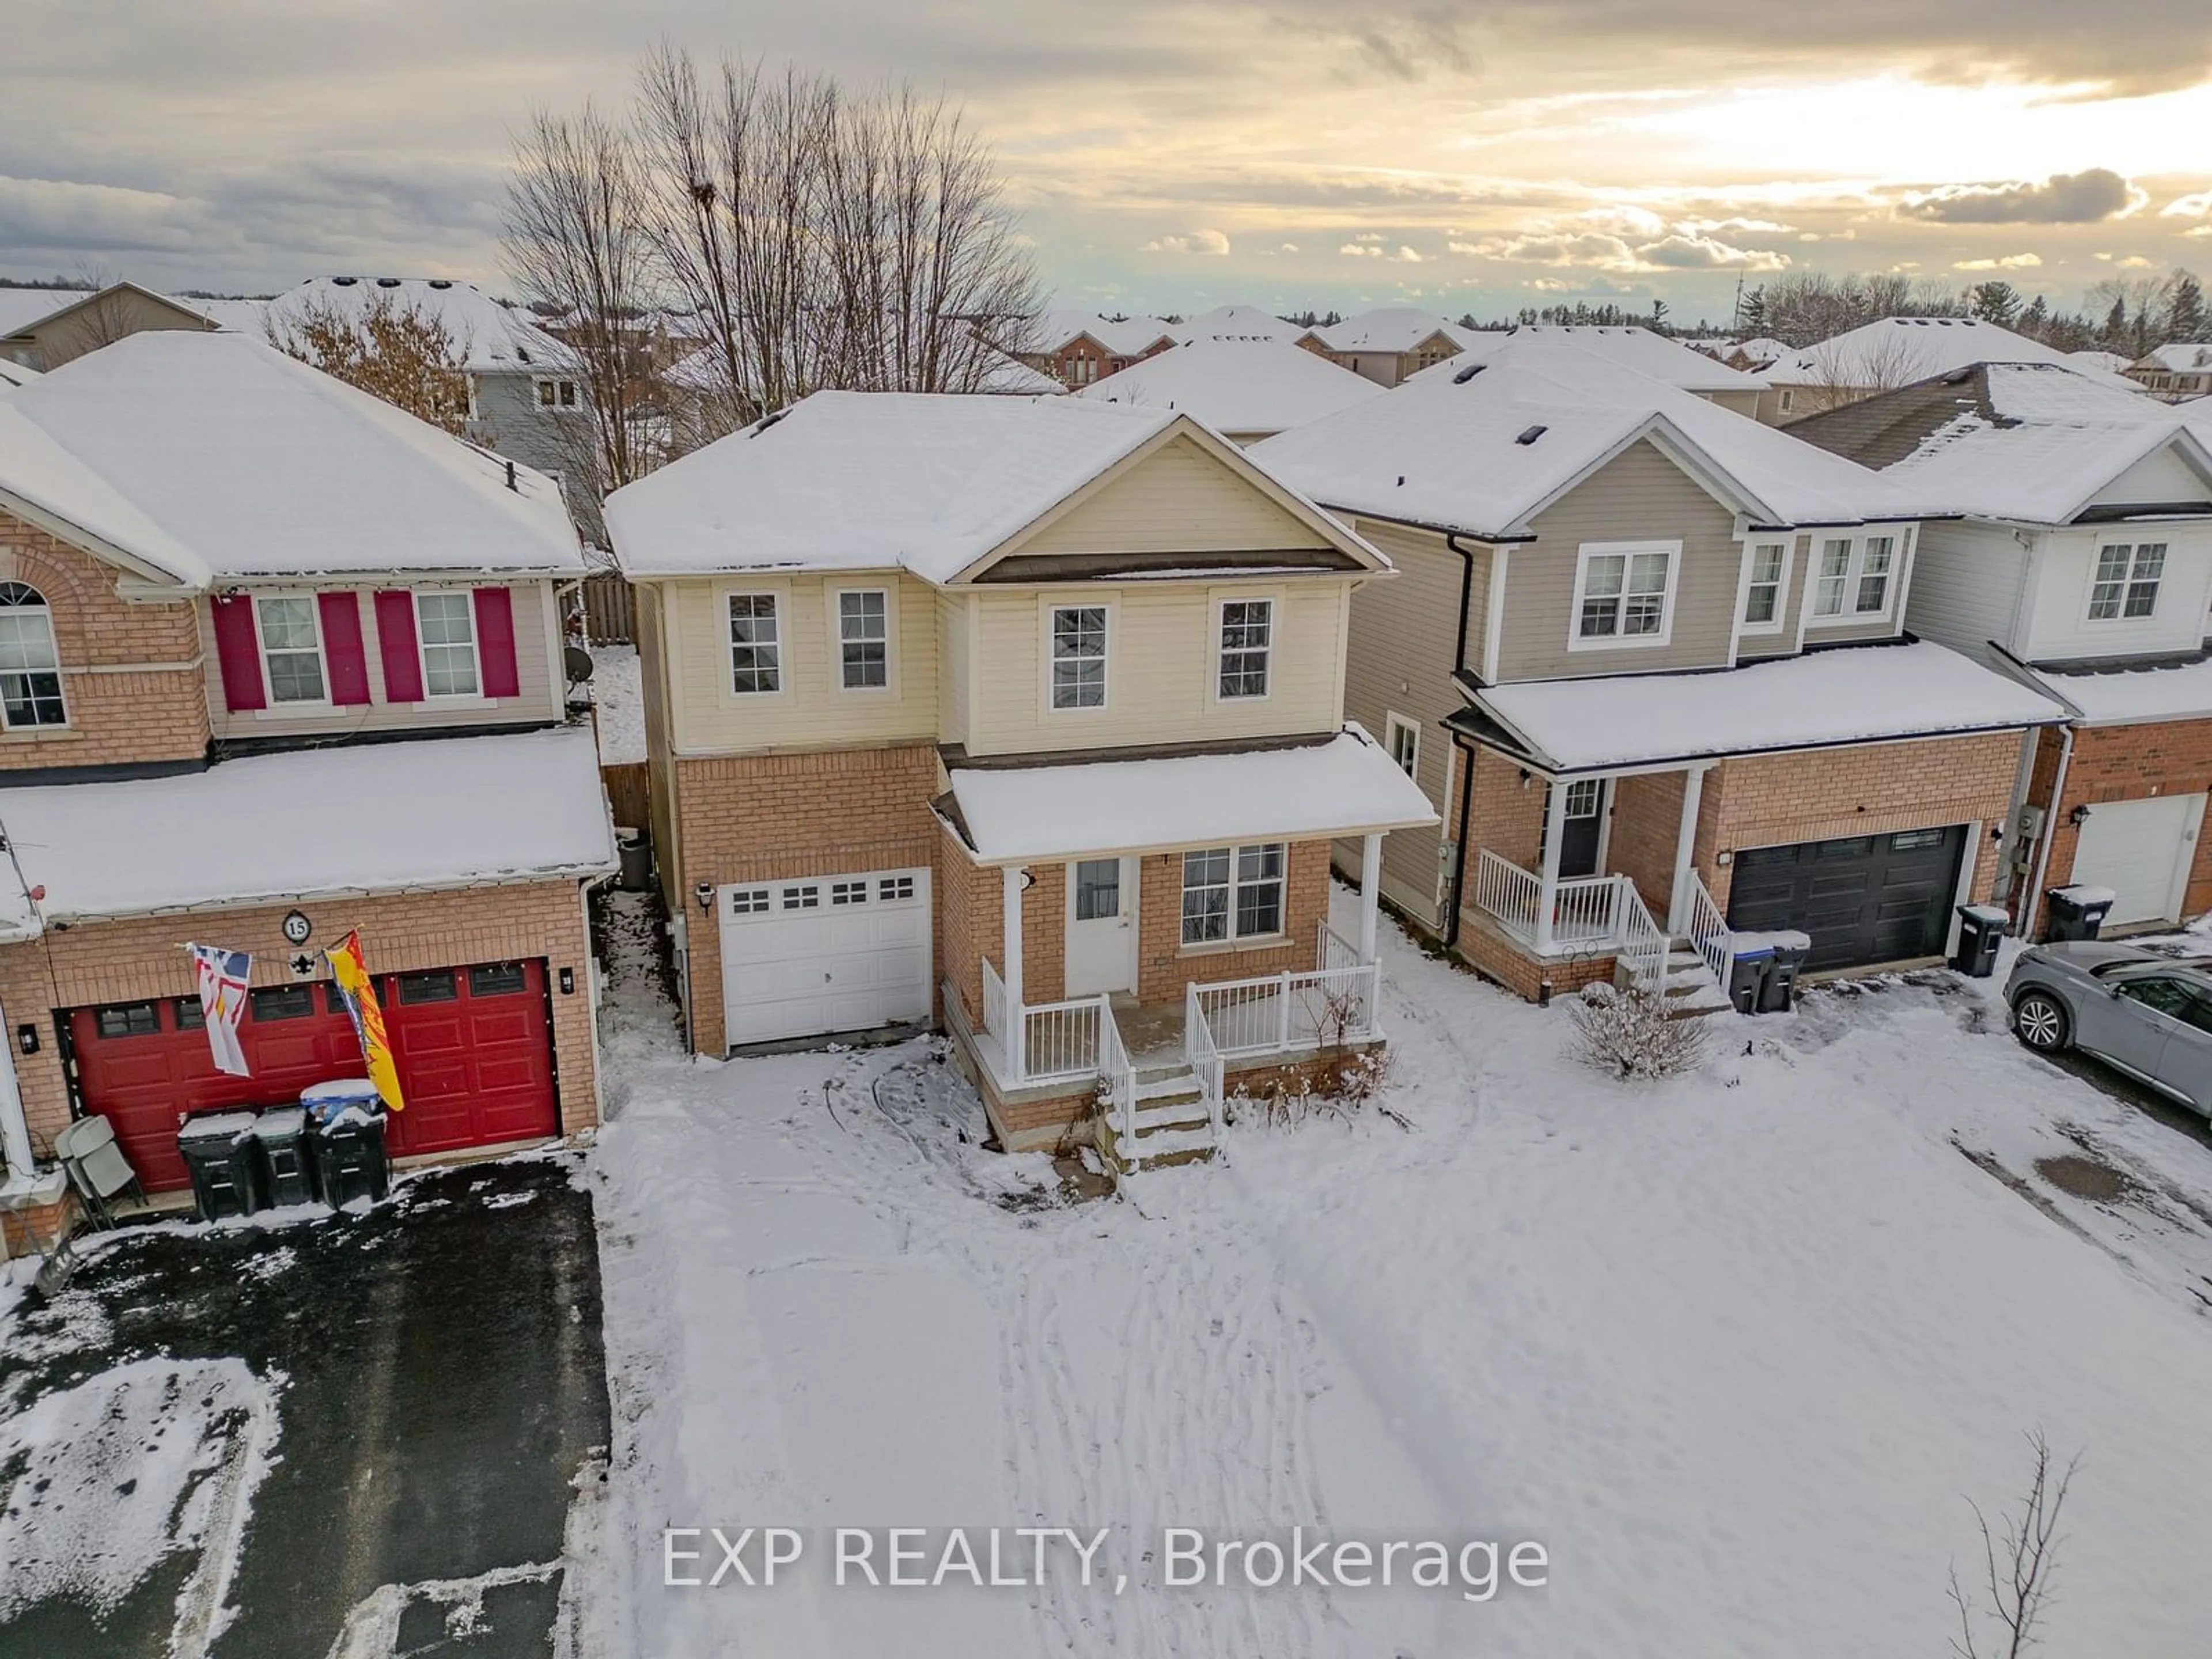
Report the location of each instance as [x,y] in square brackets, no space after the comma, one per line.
[1736,1349]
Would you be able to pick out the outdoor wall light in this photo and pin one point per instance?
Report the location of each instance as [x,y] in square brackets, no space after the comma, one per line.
[704,892]
[2079,816]
[27,1038]
[567,982]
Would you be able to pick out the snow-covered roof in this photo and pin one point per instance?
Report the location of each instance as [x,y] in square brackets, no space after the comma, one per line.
[1238,386]
[1628,348]
[1124,337]
[494,338]
[872,481]
[1484,449]
[1234,323]
[1345,787]
[1388,328]
[1010,377]
[2167,691]
[2178,358]
[520,807]
[20,307]
[14,374]
[213,456]
[1897,350]
[1847,694]
[2111,362]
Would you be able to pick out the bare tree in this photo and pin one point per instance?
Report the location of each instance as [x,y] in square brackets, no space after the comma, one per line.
[2019,1558]
[398,353]
[575,248]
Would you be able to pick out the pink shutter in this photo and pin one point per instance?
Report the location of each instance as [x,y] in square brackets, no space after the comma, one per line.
[395,642]
[496,642]
[237,650]
[347,657]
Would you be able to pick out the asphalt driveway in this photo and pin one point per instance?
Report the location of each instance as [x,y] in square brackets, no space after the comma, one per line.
[357,1435]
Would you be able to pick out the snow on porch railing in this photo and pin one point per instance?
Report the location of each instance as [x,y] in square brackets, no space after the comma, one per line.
[1709,931]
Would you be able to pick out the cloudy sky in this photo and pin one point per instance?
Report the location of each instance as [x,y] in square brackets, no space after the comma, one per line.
[1477,155]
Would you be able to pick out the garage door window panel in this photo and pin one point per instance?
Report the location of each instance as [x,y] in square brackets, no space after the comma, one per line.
[417,988]
[497,979]
[129,1019]
[281,1002]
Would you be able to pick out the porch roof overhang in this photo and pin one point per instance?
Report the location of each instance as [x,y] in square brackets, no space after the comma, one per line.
[1838,697]
[1344,785]
[2140,693]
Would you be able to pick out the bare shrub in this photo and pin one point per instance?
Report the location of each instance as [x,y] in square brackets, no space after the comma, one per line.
[2019,1558]
[1629,1034]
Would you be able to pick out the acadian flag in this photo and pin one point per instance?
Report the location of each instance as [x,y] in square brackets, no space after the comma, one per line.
[222,977]
[351,973]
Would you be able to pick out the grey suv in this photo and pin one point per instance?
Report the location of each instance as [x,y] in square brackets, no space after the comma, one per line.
[2148,1015]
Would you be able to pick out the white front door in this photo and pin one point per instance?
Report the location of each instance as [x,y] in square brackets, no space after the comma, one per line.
[815,955]
[1101,926]
[2141,850]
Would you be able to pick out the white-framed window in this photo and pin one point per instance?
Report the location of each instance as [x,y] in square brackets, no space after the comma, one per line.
[1762,592]
[1854,577]
[863,640]
[30,666]
[1402,738]
[1078,656]
[292,648]
[445,633]
[2126,580]
[1624,594]
[559,394]
[1233,893]
[1248,643]
[756,645]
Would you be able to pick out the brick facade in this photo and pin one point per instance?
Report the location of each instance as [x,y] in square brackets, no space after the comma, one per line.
[133,684]
[763,818]
[2126,763]
[1165,965]
[138,959]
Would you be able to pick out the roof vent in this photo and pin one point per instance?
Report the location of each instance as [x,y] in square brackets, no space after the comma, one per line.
[343,282]
[1530,436]
[387,281]
[442,284]
[1468,374]
[1401,481]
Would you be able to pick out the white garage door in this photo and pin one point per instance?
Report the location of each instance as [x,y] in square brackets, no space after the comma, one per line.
[820,954]
[2141,849]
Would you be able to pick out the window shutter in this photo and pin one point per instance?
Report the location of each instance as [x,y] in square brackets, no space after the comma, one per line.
[395,642]
[346,658]
[237,650]
[496,642]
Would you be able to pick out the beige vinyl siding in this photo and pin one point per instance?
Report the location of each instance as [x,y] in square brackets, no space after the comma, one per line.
[660,776]
[810,710]
[1403,634]
[1162,655]
[536,661]
[1639,496]
[1176,499]
[1784,641]
[1884,627]
[955,621]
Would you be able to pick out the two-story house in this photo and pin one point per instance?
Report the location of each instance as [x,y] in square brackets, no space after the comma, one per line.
[1022,715]
[278,662]
[1389,346]
[1078,348]
[1646,658]
[2073,546]
[2174,373]
[1892,352]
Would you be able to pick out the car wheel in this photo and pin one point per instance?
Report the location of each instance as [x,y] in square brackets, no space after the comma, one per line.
[2039,1021]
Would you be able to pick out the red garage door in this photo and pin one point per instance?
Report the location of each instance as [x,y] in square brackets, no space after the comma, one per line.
[474,1049]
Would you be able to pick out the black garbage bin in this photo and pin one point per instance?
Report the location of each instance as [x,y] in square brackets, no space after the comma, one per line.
[218,1152]
[289,1173]
[1980,928]
[1747,972]
[1778,991]
[634,847]
[349,1157]
[2078,912]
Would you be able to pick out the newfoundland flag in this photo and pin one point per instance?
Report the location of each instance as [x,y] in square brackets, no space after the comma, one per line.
[223,975]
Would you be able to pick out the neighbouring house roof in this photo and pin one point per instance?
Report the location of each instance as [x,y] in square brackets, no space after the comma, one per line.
[1629,347]
[929,482]
[2111,362]
[1483,450]
[1124,337]
[308,824]
[1010,377]
[1842,695]
[1342,786]
[1234,323]
[1238,386]
[2030,442]
[14,374]
[21,308]
[1388,328]
[493,338]
[2178,358]
[2161,691]
[1897,350]
[214,456]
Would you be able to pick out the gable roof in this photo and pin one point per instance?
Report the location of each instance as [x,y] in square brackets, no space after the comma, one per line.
[1238,386]
[1897,350]
[2178,358]
[214,456]
[76,303]
[1388,328]
[14,374]
[1052,329]
[1629,347]
[931,482]
[1485,449]
[1234,323]
[2033,442]
[21,308]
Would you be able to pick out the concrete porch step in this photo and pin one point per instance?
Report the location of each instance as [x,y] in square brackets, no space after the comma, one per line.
[1175,1147]
[1164,1080]
[1185,1113]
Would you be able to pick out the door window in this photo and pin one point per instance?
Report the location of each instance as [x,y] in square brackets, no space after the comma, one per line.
[1097,890]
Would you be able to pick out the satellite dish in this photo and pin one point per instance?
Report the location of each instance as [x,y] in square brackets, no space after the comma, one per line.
[576,662]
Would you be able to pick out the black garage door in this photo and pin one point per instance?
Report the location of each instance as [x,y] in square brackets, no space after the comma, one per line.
[1863,898]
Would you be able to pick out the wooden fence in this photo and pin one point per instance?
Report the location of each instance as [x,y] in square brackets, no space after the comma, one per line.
[610,610]
[628,795]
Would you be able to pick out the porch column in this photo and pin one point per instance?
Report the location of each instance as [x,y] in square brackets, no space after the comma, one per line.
[14,1131]
[1011,972]
[1548,885]
[1685,848]
[1371,893]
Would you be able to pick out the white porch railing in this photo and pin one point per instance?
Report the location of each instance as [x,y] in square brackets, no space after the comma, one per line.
[1204,1056]
[1644,944]
[1117,1075]
[1587,911]
[1061,1040]
[994,1003]
[1708,931]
